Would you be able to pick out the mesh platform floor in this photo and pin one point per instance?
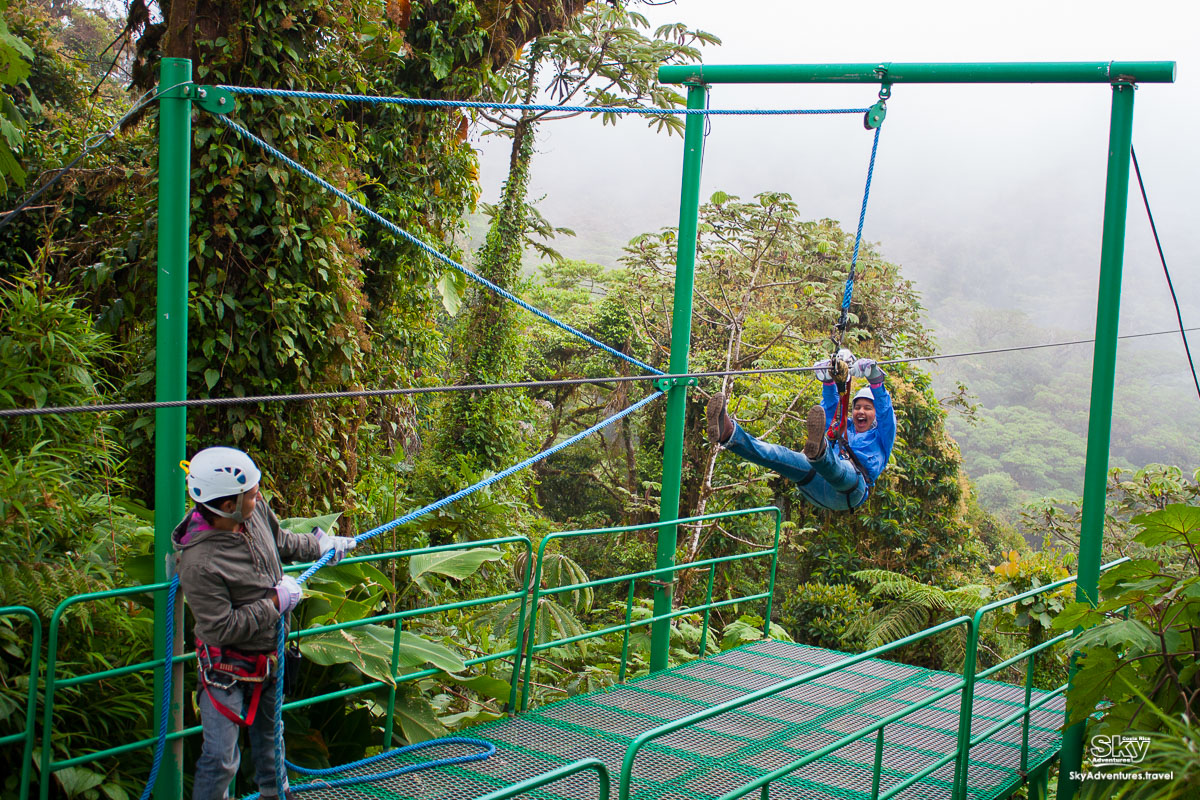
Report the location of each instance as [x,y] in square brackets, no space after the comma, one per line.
[725,752]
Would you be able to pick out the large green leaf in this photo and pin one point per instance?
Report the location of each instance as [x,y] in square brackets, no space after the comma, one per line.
[309,524]
[1176,523]
[485,685]
[77,780]
[369,650]
[457,564]
[417,719]
[349,576]
[1128,635]
[414,651]
[362,648]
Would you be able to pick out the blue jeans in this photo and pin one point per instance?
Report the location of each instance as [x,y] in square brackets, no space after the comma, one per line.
[219,756]
[830,482]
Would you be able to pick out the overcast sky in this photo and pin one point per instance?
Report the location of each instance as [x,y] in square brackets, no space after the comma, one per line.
[1005,181]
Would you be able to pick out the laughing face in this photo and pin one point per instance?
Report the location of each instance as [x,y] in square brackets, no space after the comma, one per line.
[863,415]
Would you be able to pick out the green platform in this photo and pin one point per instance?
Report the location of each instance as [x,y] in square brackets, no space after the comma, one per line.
[717,756]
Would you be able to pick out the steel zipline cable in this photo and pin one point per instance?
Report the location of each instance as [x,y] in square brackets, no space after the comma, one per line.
[480,387]
[89,145]
[1170,285]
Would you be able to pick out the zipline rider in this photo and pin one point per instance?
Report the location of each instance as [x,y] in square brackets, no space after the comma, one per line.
[229,563]
[836,475]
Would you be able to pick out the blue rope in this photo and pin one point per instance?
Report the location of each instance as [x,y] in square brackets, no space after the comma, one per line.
[403,234]
[281,631]
[445,501]
[421,102]
[489,751]
[168,670]
[862,215]
[399,751]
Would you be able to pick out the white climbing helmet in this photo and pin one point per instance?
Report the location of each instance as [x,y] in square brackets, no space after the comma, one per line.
[217,472]
[864,393]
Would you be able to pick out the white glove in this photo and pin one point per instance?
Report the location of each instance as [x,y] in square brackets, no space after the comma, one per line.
[289,593]
[846,357]
[340,545]
[822,369]
[867,368]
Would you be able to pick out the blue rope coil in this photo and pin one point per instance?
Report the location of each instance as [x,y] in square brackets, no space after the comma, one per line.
[489,750]
[296,94]
[403,234]
[862,215]
[168,674]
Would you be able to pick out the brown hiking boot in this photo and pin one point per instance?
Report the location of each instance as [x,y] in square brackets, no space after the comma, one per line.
[720,424]
[814,447]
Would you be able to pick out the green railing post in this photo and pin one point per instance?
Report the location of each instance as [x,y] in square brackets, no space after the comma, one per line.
[170,367]
[27,734]
[1104,362]
[681,335]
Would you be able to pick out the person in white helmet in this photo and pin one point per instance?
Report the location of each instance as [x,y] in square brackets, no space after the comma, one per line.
[229,552]
[835,478]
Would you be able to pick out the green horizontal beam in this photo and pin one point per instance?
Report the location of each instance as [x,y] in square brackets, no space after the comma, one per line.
[874,72]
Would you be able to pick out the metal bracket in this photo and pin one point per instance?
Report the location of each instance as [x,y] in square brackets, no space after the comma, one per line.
[214,99]
[666,384]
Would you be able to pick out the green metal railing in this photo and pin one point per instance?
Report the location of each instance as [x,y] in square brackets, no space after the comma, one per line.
[523,649]
[555,775]
[965,685]
[970,674]
[653,576]
[26,734]
[764,781]
[520,654]
[54,684]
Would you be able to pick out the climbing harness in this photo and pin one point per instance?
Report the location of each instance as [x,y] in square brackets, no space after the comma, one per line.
[836,436]
[225,667]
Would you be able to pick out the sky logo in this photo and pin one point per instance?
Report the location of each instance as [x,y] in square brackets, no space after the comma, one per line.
[1118,750]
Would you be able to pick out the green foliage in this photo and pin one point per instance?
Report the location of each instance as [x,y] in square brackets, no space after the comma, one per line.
[1028,437]
[910,607]
[1129,494]
[1032,618]
[1139,642]
[15,56]
[749,628]
[600,58]
[825,615]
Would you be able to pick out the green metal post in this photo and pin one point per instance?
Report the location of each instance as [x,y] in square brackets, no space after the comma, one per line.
[170,424]
[681,335]
[1104,363]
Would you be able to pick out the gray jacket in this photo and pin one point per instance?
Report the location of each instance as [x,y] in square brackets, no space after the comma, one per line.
[229,577]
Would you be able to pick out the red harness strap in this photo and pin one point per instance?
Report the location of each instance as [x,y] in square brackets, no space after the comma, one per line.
[235,667]
[837,428]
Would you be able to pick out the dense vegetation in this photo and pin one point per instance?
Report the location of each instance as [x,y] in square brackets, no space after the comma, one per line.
[290,292]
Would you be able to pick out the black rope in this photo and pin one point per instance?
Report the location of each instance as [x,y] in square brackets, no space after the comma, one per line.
[478,387]
[1167,272]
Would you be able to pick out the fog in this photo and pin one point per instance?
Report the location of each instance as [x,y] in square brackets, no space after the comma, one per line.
[1005,180]
[989,196]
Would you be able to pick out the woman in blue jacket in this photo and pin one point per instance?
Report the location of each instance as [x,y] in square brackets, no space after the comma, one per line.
[827,475]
